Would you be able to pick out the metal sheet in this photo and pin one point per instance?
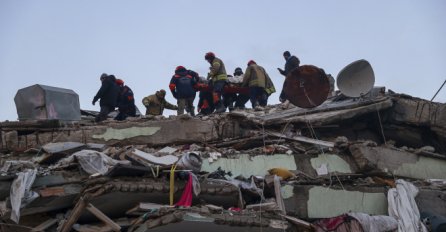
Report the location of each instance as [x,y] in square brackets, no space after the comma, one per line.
[41,102]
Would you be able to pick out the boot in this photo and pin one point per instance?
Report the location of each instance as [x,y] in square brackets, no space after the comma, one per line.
[220,108]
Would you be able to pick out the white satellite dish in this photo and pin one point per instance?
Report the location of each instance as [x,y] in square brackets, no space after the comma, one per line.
[356,79]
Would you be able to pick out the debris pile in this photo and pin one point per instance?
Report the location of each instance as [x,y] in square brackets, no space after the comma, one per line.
[375,163]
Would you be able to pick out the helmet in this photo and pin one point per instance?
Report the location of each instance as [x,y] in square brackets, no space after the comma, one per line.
[180,68]
[209,56]
[238,71]
[119,82]
[251,62]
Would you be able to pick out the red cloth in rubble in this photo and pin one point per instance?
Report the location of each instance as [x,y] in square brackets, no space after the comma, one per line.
[186,198]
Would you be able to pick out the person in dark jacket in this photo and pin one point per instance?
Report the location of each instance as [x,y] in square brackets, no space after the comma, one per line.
[126,101]
[182,86]
[108,93]
[292,62]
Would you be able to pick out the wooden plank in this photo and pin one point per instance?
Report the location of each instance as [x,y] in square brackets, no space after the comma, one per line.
[45,225]
[297,221]
[75,214]
[53,191]
[101,216]
[303,139]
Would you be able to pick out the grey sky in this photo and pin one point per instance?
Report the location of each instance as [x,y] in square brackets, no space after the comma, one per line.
[69,44]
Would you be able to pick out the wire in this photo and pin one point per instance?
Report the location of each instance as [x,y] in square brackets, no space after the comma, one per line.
[381,125]
[313,134]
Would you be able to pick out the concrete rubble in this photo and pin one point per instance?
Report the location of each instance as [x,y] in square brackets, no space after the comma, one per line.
[376,163]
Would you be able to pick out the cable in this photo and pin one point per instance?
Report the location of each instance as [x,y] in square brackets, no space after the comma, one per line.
[313,134]
[381,126]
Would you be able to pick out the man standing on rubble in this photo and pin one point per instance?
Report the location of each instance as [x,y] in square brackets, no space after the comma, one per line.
[126,101]
[255,78]
[218,78]
[292,62]
[182,85]
[156,103]
[108,93]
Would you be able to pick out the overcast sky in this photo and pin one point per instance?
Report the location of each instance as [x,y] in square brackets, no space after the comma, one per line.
[68,44]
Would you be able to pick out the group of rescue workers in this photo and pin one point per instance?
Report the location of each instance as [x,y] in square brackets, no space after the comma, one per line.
[217,92]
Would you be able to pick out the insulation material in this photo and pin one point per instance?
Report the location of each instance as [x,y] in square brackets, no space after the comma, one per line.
[21,193]
[403,208]
[378,223]
[92,162]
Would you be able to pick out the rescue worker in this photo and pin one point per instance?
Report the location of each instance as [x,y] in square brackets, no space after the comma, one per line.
[182,85]
[108,93]
[205,103]
[292,62]
[255,78]
[156,103]
[218,78]
[126,101]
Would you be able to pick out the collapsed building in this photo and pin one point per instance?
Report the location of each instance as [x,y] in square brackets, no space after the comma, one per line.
[373,163]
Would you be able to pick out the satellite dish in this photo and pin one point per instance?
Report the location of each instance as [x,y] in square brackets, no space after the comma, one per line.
[356,79]
[307,86]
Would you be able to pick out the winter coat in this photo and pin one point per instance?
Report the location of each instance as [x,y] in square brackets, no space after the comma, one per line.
[155,106]
[255,76]
[126,101]
[292,63]
[182,85]
[218,71]
[108,93]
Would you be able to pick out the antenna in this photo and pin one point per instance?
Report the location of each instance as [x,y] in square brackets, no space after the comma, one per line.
[307,86]
[356,79]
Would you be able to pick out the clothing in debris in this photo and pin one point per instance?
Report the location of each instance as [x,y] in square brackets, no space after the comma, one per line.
[156,103]
[126,102]
[186,197]
[218,78]
[108,93]
[292,62]
[182,86]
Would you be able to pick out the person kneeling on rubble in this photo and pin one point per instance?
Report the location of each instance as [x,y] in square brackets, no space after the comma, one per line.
[182,85]
[156,103]
[126,102]
[256,78]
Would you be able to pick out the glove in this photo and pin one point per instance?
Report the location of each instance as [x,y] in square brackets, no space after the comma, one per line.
[94,101]
[281,71]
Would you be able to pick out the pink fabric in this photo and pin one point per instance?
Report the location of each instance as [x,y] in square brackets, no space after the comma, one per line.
[186,198]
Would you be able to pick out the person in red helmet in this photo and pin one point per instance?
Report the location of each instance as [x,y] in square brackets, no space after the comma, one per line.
[217,76]
[126,101]
[182,85]
[256,79]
